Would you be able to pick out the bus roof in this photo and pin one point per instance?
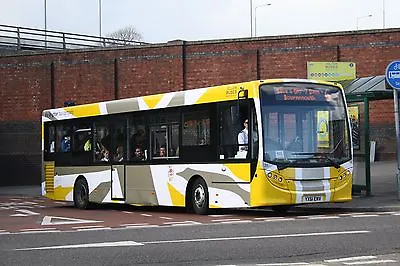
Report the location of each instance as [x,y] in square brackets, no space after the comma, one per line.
[163,100]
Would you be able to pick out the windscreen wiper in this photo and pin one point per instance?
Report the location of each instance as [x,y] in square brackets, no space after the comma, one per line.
[321,154]
[284,165]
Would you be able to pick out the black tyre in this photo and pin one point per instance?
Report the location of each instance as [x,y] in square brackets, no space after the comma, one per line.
[81,194]
[199,197]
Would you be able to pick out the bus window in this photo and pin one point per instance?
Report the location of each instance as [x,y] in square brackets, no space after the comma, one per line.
[196,129]
[63,138]
[82,138]
[102,138]
[164,136]
[233,122]
[118,142]
[165,141]
[50,137]
[138,141]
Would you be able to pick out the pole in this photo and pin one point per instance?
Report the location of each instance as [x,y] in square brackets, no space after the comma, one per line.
[367,147]
[251,18]
[100,18]
[255,18]
[383,13]
[255,22]
[45,24]
[396,119]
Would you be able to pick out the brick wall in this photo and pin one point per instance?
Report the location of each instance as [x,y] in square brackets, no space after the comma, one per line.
[33,82]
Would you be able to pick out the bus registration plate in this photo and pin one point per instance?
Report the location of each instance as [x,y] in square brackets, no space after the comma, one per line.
[313,198]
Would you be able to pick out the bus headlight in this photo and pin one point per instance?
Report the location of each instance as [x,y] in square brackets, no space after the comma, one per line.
[276,179]
[344,176]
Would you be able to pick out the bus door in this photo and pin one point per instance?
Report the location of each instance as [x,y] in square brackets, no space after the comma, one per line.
[118,156]
[238,143]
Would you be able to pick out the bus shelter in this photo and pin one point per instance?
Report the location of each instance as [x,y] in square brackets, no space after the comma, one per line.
[359,93]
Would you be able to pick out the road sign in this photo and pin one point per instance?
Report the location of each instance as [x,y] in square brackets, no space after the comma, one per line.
[393,74]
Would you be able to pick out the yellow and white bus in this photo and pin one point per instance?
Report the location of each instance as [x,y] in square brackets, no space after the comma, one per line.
[186,148]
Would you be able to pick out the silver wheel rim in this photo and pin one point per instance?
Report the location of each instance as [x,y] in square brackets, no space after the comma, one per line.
[199,196]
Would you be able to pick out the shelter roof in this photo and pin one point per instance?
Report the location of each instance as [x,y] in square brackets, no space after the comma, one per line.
[374,88]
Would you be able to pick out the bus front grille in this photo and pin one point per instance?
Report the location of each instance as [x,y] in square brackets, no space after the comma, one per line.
[49,177]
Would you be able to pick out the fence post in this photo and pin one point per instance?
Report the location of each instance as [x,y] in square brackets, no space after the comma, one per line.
[18,39]
[64,44]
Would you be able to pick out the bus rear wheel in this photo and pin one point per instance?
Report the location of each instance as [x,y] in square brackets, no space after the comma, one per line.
[81,194]
[199,196]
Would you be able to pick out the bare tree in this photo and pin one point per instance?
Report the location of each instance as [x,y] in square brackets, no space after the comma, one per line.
[125,36]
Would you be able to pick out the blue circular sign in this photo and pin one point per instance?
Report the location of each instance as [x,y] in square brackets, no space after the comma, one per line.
[393,74]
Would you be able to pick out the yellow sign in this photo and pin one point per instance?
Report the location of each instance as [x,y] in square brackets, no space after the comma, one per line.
[323,129]
[331,71]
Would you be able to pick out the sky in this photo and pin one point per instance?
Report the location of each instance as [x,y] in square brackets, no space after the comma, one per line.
[160,21]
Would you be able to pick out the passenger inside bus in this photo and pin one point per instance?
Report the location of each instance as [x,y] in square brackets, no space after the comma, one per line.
[163,152]
[66,144]
[106,155]
[138,155]
[119,154]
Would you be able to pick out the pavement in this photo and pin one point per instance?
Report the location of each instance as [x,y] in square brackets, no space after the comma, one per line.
[384,192]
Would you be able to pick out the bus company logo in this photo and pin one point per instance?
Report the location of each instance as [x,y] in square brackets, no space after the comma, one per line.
[231,91]
[170,173]
[58,114]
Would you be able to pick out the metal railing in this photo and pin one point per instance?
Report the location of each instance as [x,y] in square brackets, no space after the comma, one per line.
[27,39]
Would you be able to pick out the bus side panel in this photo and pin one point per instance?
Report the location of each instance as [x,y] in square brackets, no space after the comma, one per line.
[97,177]
[140,187]
[167,184]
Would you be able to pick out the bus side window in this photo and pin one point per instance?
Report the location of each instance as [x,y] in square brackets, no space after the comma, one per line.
[103,142]
[231,123]
[138,140]
[63,138]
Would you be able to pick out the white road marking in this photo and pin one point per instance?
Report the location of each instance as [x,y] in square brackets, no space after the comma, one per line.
[94,229]
[278,220]
[236,222]
[351,259]
[322,217]
[36,229]
[182,223]
[284,264]
[25,212]
[383,213]
[225,220]
[140,226]
[166,218]
[55,220]
[86,227]
[256,237]
[91,245]
[147,215]
[364,215]
[368,262]
[134,224]
[263,218]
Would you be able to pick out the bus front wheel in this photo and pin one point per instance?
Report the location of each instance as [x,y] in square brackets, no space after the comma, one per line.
[81,194]
[199,196]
